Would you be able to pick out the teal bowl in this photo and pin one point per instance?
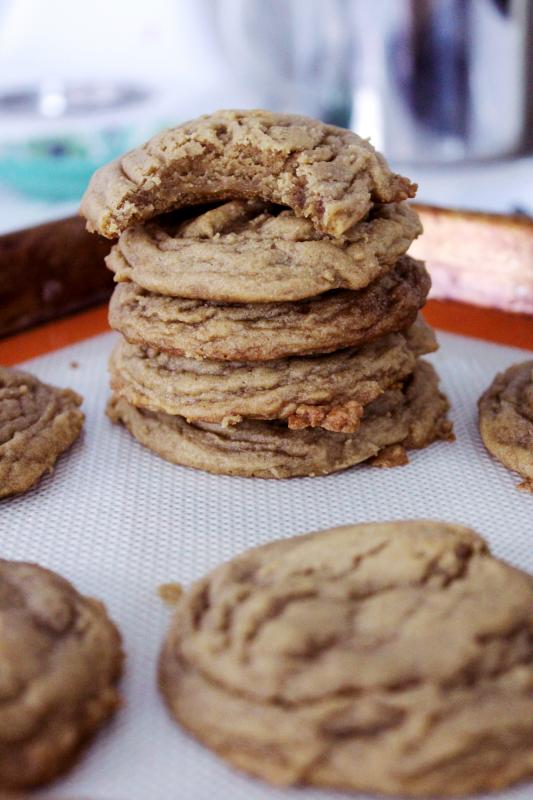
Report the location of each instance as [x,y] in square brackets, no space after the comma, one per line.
[59,167]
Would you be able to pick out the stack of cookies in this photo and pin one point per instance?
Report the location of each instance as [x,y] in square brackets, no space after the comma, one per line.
[268,312]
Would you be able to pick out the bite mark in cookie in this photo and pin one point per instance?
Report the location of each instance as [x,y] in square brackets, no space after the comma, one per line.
[326,174]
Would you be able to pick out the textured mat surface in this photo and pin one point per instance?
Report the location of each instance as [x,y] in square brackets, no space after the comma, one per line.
[118,522]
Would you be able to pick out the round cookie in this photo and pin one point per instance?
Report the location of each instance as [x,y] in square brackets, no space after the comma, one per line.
[411,418]
[326,174]
[329,391]
[506,420]
[37,423]
[60,658]
[249,252]
[389,657]
[264,331]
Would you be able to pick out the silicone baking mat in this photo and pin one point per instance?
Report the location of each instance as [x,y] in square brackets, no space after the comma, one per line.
[118,521]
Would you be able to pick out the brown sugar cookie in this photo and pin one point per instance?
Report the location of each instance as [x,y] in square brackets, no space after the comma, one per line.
[326,174]
[411,417]
[264,331]
[37,423]
[60,658]
[329,391]
[389,657]
[506,420]
[250,252]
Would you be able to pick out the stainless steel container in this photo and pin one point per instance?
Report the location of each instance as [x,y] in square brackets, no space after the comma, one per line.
[427,80]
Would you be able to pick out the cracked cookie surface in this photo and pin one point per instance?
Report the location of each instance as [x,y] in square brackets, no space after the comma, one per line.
[326,174]
[60,658]
[506,420]
[387,657]
[38,422]
[264,331]
[327,391]
[411,417]
[250,252]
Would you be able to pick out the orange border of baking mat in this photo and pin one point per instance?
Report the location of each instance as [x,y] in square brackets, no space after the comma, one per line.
[481,323]
[53,335]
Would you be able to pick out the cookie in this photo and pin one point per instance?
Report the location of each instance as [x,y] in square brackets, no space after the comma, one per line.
[506,420]
[249,252]
[408,418]
[264,331]
[37,423]
[60,658]
[326,174]
[329,391]
[390,657]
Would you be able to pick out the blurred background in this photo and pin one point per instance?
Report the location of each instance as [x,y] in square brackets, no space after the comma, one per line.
[442,87]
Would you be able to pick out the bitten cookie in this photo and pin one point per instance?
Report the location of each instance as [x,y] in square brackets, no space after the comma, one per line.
[60,658]
[38,422]
[389,657]
[506,420]
[326,174]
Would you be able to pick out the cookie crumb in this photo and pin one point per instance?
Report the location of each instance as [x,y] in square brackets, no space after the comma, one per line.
[393,456]
[170,593]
